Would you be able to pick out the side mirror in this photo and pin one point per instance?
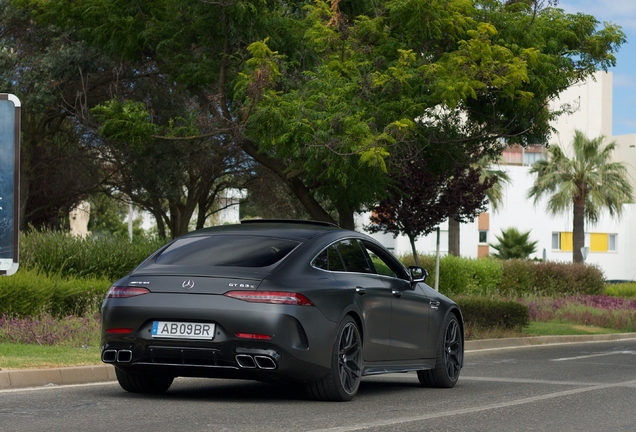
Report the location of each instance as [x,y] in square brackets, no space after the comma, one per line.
[418,274]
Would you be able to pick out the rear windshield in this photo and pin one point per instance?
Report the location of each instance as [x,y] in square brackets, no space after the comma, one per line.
[226,251]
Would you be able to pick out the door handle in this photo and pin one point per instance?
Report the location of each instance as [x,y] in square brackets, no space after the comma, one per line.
[434,304]
[360,290]
[396,293]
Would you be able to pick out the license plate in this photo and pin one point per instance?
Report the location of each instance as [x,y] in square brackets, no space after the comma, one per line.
[182,330]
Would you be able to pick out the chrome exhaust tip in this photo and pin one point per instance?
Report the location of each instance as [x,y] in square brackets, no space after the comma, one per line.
[124,356]
[264,362]
[245,361]
[109,356]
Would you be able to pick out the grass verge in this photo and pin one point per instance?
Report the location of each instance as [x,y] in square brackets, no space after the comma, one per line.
[26,356]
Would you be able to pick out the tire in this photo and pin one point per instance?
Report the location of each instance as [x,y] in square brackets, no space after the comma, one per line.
[142,382]
[450,354]
[342,381]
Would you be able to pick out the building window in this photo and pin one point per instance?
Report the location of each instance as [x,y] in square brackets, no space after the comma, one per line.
[531,158]
[595,242]
[483,236]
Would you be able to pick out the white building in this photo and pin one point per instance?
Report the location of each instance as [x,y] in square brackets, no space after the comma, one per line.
[611,242]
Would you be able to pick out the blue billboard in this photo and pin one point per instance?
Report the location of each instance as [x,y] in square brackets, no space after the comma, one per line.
[9,182]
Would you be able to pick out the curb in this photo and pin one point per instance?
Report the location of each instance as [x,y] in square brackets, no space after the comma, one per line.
[24,378]
[519,342]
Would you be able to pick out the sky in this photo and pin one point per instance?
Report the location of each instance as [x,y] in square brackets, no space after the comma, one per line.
[623,13]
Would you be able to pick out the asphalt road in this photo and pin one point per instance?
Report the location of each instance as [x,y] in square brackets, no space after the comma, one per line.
[571,387]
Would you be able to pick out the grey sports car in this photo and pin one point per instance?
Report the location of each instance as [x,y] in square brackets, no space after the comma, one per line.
[293,301]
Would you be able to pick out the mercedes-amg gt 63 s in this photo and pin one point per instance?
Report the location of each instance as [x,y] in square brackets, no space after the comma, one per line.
[292,301]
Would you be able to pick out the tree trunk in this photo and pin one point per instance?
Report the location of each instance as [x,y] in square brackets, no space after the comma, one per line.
[299,189]
[453,236]
[345,218]
[578,229]
[415,257]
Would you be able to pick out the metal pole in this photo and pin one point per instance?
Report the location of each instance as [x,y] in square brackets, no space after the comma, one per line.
[130,221]
[437,263]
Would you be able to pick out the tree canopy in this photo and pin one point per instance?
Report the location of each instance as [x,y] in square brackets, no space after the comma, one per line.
[337,97]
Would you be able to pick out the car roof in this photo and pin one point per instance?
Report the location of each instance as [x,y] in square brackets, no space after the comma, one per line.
[290,229]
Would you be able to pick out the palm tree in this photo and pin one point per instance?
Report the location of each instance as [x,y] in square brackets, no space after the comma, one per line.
[514,244]
[586,184]
[494,195]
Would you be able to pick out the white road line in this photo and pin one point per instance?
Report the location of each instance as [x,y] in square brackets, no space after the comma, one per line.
[531,381]
[594,355]
[392,422]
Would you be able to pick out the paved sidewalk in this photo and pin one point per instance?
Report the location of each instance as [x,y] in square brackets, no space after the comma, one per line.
[24,378]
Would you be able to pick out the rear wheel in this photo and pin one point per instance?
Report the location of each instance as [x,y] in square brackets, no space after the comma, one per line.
[448,363]
[343,380]
[142,382]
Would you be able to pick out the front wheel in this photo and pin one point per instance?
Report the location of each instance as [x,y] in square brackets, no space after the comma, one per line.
[450,354]
[343,380]
[142,382]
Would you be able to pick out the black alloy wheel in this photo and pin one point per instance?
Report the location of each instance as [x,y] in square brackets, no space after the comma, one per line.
[343,380]
[449,360]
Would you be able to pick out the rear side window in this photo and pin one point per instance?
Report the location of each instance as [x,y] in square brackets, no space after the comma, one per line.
[226,251]
[346,255]
[353,257]
[329,259]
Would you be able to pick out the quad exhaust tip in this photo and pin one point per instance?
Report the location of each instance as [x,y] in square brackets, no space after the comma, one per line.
[247,361]
[117,356]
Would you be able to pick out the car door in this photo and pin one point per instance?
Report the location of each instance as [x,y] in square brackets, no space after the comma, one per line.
[372,296]
[410,308]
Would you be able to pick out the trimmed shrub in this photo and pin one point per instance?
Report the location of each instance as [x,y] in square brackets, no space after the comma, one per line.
[28,293]
[627,289]
[523,277]
[487,313]
[59,254]
[461,276]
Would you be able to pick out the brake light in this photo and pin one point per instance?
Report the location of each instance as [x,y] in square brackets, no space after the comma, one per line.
[119,330]
[272,297]
[124,292]
[253,336]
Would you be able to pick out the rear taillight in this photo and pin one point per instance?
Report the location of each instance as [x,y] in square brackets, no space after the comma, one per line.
[253,336]
[273,297]
[125,291]
[119,330]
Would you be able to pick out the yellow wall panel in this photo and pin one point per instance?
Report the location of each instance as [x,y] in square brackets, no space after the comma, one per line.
[598,242]
[567,241]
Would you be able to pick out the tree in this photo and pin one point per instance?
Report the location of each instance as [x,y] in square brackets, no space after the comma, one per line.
[169,175]
[44,68]
[328,95]
[514,245]
[585,183]
[414,210]
[496,178]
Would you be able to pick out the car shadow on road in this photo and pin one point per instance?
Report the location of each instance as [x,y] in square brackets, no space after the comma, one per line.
[252,391]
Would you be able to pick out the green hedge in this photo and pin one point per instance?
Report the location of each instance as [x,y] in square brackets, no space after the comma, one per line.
[522,277]
[485,313]
[28,293]
[511,278]
[626,289]
[59,254]
[461,276]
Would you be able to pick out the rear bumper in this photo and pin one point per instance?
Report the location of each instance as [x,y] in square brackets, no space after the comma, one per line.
[300,346]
